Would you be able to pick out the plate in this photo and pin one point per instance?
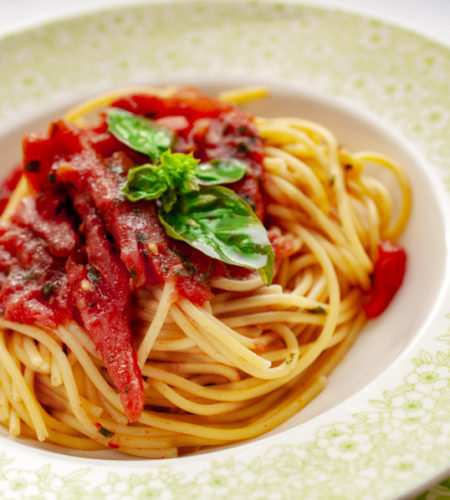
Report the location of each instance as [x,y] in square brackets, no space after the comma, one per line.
[381,428]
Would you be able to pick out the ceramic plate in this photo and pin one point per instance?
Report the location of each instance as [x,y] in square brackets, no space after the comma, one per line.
[381,428]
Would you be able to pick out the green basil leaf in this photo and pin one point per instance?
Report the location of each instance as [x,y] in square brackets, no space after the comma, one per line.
[144,182]
[178,171]
[175,173]
[220,171]
[139,133]
[168,200]
[219,223]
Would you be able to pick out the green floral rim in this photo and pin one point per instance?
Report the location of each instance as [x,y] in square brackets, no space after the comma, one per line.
[397,440]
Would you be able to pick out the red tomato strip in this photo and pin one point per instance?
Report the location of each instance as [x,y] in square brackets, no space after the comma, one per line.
[388,274]
[33,283]
[46,215]
[78,248]
[102,297]
[214,129]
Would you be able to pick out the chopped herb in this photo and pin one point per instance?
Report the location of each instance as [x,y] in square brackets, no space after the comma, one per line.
[290,358]
[51,177]
[243,130]
[248,199]
[105,432]
[205,277]
[184,258]
[136,210]
[71,185]
[92,304]
[187,262]
[1,312]
[127,389]
[134,274]
[31,275]
[317,310]
[93,275]
[142,238]
[32,166]
[242,147]
[47,289]
[182,272]
[111,357]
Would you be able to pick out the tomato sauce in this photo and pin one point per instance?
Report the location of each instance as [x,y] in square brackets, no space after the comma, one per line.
[77,248]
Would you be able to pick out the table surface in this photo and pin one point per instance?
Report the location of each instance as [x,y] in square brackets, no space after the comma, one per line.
[430,17]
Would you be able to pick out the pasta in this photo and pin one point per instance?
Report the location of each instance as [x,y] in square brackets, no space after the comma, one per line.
[256,351]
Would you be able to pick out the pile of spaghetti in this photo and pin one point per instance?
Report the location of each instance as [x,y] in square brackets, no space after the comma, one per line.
[176,274]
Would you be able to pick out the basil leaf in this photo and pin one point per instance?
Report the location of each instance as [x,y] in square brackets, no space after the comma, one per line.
[220,171]
[144,183]
[168,200]
[219,223]
[174,174]
[139,133]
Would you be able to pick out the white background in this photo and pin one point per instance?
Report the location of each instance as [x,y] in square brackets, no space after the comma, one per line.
[430,17]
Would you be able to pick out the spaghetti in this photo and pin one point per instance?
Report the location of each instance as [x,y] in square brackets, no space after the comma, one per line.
[223,358]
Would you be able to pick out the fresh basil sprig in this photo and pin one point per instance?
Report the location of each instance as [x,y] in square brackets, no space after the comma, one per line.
[219,223]
[174,174]
[139,133]
[182,173]
[214,220]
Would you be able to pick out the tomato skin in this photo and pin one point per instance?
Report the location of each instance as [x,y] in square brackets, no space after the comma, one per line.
[187,101]
[387,277]
[104,306]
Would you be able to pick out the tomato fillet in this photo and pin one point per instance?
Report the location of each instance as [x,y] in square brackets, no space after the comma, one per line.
[387,277]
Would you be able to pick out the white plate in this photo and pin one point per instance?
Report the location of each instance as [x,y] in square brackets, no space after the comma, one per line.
[381,428]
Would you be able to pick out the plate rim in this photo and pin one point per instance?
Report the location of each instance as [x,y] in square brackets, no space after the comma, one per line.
[139,4]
